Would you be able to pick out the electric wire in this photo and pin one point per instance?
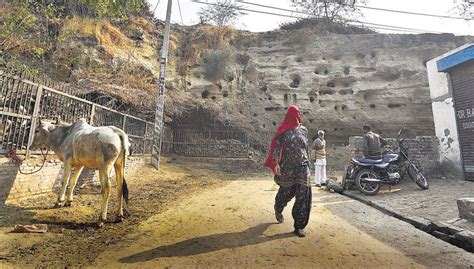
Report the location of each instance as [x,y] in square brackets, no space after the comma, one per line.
[154,10]
[363,7]
[359,23]
[355,21]
[180,13]
[412,13]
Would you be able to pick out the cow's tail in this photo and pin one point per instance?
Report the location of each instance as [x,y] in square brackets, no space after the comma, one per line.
[125,150]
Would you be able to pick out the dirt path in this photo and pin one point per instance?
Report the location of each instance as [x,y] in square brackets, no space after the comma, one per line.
[234,226]
[215,215]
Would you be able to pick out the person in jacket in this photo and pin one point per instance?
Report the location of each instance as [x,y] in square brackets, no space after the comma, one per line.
[372,144]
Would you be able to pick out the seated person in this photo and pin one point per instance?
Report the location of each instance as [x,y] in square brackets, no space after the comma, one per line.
[372,144]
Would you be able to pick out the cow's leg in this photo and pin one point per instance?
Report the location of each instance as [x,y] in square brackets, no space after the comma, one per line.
[105,191]
[72,184]
[67,173]
[118,166]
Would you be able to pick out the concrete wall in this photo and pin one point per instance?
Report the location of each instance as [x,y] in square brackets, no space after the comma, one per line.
[15,186]
[423,150]
[444,116]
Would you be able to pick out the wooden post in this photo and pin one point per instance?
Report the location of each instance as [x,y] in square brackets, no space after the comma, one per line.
[34,119]
[144,139]
[91,119]
[124,121]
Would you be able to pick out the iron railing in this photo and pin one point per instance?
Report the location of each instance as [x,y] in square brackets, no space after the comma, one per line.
[24,101]
[205,143]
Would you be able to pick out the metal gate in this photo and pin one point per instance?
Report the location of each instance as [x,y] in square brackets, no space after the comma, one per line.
[462,80]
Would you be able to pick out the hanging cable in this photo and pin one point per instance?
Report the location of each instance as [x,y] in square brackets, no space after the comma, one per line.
[154,10]
[411,13]
[180,13]
[359,23]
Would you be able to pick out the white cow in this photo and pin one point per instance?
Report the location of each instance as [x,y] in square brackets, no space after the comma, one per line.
[82,145]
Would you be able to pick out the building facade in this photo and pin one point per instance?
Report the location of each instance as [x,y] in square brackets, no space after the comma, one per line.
[451,79]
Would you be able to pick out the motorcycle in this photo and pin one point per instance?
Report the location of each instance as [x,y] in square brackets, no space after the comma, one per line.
[369,175]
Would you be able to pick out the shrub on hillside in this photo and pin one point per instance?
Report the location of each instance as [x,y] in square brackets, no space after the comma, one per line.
[216,63]
[203,39]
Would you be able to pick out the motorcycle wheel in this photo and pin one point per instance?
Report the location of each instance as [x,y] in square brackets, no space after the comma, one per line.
[416,175]
[367,188]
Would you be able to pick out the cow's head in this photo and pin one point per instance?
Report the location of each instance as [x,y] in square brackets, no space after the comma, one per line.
[42,131]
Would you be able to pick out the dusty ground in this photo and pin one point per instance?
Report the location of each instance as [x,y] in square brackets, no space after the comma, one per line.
[194,216]
[74,229]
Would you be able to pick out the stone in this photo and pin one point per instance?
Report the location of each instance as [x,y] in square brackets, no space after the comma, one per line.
[467,239]
[466,208]
[334,185]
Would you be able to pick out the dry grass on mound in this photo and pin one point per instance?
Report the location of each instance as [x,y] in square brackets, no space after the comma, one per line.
[144,24]
[84,26]
[109,37]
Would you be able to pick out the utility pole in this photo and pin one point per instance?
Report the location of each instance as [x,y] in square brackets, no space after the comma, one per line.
[160,98]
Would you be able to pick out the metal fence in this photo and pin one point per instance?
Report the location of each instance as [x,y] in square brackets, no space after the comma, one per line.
[23,101]
[206,143]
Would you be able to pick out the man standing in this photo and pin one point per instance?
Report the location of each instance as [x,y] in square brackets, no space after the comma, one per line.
[372,144]
[319,157]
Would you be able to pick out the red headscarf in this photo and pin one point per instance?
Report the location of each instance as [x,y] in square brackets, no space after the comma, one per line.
[292,121]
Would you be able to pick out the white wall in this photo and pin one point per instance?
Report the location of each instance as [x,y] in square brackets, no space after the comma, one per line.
[444,115]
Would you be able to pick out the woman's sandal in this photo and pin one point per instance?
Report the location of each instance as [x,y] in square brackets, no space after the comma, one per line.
[300,232]
[279,217]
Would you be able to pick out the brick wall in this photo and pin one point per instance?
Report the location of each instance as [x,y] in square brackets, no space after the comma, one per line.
[423,150]
[15,186]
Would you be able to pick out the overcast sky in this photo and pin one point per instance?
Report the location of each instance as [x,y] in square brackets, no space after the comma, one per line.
[260,22]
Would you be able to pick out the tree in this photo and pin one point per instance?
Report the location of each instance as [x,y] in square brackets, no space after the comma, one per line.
[223,12]
[465,9]
[331,10]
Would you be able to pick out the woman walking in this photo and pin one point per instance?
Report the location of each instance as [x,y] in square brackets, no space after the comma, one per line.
[288,159]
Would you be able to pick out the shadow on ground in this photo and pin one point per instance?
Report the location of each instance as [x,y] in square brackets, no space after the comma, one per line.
[209,243]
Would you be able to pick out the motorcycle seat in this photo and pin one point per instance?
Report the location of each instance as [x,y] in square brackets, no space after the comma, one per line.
[370,161]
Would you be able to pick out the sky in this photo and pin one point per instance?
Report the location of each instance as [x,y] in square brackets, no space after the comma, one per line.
[256,22]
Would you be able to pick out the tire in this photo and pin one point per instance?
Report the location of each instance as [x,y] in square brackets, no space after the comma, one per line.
[417,176]
[367,188]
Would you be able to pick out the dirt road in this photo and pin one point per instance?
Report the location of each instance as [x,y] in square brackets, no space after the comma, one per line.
[234,226]
[204,215]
